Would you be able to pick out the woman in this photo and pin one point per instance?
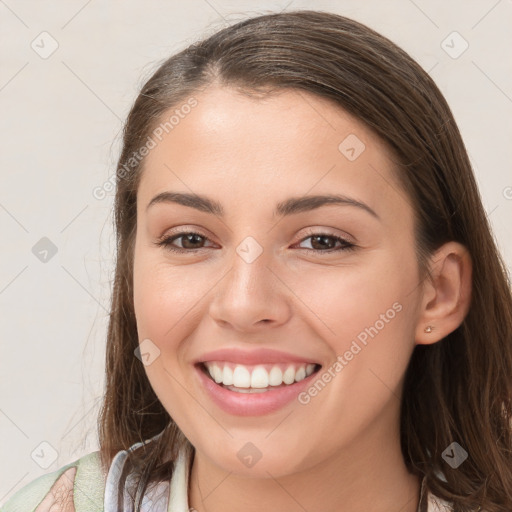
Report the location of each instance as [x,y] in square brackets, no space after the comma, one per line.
[309,310]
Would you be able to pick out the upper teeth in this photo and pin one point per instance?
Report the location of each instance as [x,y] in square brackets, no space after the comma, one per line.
[259,376]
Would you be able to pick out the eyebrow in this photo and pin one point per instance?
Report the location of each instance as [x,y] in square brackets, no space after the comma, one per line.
[290,206]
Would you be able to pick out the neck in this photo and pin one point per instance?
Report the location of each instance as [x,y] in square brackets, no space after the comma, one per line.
[369,475]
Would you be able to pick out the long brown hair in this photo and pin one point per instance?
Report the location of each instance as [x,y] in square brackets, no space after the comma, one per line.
[459,389]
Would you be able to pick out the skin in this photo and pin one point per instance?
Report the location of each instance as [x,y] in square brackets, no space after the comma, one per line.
[249,154]
[60,496]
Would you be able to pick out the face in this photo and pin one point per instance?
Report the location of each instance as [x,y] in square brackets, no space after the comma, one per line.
[271,285]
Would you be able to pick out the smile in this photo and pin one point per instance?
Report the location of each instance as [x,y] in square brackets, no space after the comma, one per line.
[253,390]
[243,378]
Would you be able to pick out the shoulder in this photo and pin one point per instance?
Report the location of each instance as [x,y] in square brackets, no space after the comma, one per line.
[436,504]
[88,487]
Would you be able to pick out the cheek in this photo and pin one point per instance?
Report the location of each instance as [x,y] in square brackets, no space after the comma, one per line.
[368,313]
[166,298]
[366,316]
[374,321]
[166,301]
[349,299]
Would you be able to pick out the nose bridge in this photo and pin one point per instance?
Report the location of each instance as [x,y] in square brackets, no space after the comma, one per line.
[250,276]
[248,293]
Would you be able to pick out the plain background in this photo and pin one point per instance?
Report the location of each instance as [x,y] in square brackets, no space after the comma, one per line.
[61,116]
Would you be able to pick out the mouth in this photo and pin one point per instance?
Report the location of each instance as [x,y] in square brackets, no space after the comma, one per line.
[259,378]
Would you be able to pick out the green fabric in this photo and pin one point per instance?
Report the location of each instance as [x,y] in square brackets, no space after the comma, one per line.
[88,489]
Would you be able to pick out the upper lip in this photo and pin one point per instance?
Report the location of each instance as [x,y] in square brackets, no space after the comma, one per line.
[258,356]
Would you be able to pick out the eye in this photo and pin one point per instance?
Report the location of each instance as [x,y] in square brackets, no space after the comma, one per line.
[324,242]
[320,242]
[190,239]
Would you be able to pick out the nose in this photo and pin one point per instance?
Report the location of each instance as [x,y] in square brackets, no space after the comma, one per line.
[250,296]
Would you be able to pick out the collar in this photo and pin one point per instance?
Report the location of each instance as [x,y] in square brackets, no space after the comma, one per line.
[178,492]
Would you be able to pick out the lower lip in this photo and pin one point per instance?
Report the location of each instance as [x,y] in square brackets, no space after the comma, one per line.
[252,404]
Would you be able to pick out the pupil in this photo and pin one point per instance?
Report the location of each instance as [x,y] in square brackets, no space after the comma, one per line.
[323,239]
[192,237]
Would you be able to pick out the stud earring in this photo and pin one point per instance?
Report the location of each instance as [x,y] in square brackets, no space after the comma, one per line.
[428,328]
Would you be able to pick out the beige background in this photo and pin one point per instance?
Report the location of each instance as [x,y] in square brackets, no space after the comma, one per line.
[61,118]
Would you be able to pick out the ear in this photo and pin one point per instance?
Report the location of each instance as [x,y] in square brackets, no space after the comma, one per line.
[446,295]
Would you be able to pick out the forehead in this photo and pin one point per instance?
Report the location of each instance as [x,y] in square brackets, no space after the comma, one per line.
[244,148]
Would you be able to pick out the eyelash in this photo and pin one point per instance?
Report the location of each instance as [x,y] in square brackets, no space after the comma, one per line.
[165,242]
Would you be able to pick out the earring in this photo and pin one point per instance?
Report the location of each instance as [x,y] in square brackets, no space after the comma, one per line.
[428,328]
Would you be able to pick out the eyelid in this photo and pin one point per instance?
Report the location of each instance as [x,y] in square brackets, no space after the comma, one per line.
[182,230]
[316,230]
[311,230]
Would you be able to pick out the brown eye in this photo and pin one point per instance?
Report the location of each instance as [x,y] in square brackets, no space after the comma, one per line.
[191,241]
[324,242]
